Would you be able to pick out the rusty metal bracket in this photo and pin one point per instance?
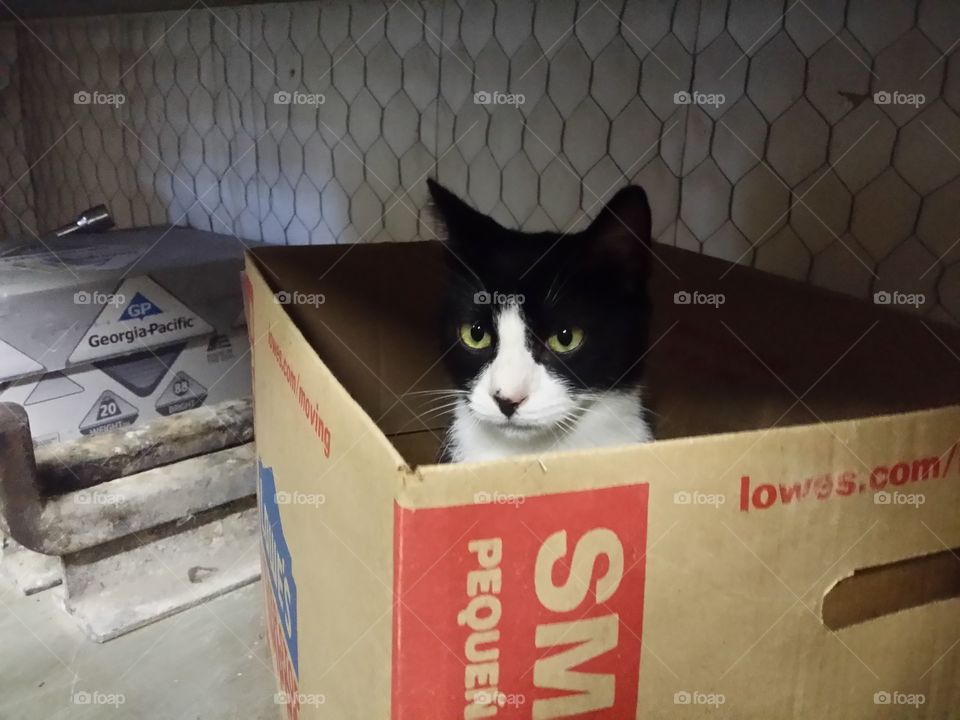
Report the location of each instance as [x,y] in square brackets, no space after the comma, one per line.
[119,541]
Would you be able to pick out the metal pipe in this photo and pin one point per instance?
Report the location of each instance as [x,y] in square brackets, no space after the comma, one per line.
[87,461]
[85,518]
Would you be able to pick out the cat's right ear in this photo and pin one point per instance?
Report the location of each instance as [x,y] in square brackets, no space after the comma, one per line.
[619,240]
[461,222]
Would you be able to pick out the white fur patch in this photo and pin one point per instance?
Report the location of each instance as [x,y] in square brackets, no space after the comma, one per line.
[614,418]
[549,418]
[514,374]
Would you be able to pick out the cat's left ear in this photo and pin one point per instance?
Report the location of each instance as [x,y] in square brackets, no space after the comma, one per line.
[463,224]
[619,242]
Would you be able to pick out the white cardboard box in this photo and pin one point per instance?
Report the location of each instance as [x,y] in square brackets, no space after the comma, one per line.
[107,330]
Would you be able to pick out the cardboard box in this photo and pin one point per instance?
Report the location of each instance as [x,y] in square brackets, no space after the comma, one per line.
[98,332]
[783,552]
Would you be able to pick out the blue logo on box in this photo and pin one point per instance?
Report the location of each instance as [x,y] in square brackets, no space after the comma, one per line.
[279,562]
[139,308]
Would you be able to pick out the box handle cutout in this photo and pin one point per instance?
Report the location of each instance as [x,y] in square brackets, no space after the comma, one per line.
[886,589]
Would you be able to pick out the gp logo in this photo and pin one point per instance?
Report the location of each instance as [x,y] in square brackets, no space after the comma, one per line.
[139,308]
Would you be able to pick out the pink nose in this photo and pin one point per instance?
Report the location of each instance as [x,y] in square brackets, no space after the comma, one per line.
[508,405]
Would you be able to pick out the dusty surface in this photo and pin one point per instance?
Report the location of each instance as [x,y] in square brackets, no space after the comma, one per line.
[210,662]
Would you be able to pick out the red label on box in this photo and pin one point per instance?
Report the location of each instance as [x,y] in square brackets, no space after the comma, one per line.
[520,607]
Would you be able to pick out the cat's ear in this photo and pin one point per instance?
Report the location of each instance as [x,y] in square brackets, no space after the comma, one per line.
[618,239]
[462,222]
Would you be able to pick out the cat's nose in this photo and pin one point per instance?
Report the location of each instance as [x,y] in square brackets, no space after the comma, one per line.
[508,406]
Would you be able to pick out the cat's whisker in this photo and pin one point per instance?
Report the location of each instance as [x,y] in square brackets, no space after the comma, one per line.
[568,422]
[435,414]
[550,297]
[557,294]
[444,403]
[445,407]
[445,391]
[422,417]
[434,396]
[566,425]
[438,398]
[436,410]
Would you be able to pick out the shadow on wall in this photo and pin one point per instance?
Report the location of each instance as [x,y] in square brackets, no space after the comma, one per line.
[17,218]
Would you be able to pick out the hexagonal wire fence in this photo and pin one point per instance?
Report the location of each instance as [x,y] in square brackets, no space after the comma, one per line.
[813,138]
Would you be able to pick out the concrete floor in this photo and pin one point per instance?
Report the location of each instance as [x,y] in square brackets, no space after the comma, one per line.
[208,663]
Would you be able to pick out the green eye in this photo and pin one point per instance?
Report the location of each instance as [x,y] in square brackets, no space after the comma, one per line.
[475,336]
[565,340]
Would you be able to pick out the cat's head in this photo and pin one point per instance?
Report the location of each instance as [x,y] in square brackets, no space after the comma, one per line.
[541,323]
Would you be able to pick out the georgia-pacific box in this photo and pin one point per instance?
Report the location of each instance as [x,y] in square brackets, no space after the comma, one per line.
[101,331]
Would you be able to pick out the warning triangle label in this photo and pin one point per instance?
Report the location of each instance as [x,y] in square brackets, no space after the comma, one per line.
[15,364]
[52,386]
[183,393]
[140,315]
[109,412]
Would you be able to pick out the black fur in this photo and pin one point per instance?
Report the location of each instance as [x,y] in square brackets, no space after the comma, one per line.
[595,279]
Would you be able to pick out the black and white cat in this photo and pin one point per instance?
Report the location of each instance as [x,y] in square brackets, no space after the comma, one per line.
[550,331]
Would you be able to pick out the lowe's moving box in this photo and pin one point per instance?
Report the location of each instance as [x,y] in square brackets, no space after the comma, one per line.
[101,331]
[787,549]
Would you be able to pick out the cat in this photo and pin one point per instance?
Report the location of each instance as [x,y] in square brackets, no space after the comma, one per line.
[548,331]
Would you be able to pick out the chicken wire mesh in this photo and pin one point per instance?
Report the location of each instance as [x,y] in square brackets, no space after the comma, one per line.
[815,139]
[16,191]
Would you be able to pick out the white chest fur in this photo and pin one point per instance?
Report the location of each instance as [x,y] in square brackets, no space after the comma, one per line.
[613,418]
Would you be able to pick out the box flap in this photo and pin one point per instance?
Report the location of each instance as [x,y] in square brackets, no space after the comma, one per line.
[372,314]
[780,352]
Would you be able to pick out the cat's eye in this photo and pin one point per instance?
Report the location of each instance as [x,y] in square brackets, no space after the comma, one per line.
[475,336]
[565,340]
